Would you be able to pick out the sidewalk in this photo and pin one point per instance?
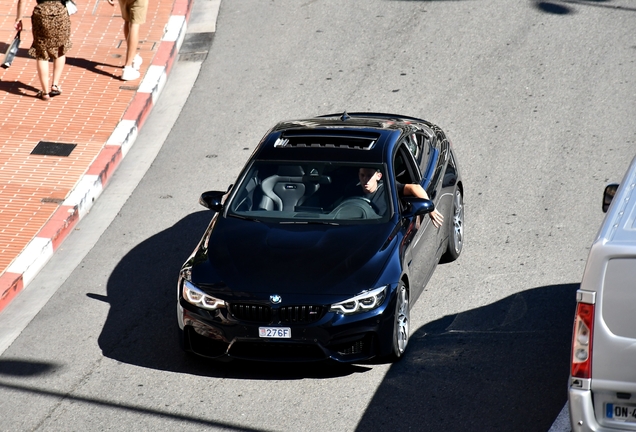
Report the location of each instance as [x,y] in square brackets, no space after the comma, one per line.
[43,196]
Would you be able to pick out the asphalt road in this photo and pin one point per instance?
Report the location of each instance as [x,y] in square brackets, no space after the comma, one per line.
[539,101]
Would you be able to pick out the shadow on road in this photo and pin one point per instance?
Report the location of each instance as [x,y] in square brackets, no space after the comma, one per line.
[25,367]
[501,367]
[141,327]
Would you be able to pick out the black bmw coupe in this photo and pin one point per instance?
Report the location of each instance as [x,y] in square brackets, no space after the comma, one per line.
[317,252]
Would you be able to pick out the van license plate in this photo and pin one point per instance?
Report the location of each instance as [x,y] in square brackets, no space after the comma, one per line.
[274,332]
[620,412]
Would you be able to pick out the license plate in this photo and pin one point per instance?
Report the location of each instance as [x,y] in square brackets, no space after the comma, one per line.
[274,332]
[625,413]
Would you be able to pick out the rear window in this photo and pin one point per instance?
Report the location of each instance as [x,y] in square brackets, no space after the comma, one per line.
[619,297]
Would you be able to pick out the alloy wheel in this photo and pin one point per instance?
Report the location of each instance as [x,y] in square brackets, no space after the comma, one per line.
[458,222]
[402,319]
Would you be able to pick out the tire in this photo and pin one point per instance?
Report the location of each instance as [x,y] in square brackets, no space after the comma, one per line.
[401,323]
[456,229]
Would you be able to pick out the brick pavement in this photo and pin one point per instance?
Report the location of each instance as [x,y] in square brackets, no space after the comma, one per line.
[42,197]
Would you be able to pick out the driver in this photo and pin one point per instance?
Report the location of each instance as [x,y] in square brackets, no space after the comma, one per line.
[373,190]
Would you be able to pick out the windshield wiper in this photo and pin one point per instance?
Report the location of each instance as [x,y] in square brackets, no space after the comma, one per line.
[244,217]
[310,222]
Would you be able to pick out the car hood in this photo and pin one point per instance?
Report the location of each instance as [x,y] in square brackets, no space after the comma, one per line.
[246,257]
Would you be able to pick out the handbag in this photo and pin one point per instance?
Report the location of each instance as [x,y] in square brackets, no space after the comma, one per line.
[12,51]
[71,7]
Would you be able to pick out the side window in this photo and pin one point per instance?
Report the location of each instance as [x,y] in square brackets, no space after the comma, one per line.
[406,170]
[413,145]
[425,152]
[441,153]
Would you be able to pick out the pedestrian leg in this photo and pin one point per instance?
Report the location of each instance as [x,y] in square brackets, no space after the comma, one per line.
[58,67]
[43,73]
[131,32]
[132,40]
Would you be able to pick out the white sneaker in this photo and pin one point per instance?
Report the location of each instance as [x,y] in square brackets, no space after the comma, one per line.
[137,61]
[129,74]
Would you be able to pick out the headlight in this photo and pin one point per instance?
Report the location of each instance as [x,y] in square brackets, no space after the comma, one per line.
[363,302]
[194,295]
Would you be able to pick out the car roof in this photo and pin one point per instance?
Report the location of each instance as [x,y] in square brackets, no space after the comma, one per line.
[355,137]
[356,120]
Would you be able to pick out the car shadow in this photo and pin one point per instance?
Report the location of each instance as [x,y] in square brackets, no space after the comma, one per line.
[501,367]
[141,326]
[487,363]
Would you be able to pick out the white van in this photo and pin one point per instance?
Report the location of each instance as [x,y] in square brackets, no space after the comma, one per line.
[602,388]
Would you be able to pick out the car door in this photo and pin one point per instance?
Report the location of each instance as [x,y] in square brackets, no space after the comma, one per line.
[420,235]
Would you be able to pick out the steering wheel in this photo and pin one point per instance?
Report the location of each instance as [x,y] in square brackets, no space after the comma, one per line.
[360,199]
[356,201]
[356,198]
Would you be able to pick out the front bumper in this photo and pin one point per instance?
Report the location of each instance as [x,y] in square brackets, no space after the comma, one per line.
[347,339]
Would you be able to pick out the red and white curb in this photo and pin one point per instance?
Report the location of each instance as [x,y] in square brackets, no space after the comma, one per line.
[79,202]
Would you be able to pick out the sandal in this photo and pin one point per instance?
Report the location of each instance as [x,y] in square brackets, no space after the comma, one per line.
[43,96]
[56,90]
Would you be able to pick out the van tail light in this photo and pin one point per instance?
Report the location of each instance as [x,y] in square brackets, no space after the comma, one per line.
[582,341]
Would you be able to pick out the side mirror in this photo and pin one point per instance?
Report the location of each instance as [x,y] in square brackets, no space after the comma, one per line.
[212,200]
[417,207]
[608,195]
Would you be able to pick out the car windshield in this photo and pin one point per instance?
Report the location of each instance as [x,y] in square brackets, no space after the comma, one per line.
[312,192]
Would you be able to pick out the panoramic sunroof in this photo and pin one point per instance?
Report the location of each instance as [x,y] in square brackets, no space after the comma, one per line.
[357,141]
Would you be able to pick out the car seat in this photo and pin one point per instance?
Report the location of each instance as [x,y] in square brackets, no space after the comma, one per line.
[286,189]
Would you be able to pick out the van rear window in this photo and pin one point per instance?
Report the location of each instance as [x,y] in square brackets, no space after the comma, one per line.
[619,297]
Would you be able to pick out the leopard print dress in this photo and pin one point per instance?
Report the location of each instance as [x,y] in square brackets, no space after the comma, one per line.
[51,30]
